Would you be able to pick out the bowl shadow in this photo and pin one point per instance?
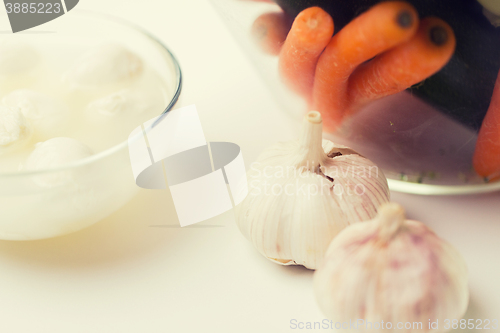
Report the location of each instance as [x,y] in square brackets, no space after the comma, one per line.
[127,233]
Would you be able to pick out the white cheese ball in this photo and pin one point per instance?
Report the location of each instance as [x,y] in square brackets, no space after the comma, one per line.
[44,112]
[108,64]
[15,129]
[16,58]
[119,103]
[54,153]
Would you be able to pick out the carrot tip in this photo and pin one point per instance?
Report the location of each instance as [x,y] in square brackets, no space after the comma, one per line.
[438,35]
[492,178]
[404,19]
[312,23]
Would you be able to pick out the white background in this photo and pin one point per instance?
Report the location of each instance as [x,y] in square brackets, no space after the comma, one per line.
[126,275]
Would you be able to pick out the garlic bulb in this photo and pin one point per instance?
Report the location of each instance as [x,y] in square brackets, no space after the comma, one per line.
[15,129]
[108,64]
[303,193]
[54,153]
[392,270]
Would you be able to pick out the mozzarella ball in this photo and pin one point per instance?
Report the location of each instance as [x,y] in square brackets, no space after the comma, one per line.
[54,153]
[124,101]
[15,129]
[45,113]
[108,64]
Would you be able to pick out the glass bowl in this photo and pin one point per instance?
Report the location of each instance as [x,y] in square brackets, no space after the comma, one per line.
[423,138]
[105,180]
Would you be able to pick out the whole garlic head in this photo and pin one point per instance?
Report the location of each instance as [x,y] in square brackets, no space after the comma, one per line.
[303,193]
[108,64]
[15,129]
[394,270]
[53,153]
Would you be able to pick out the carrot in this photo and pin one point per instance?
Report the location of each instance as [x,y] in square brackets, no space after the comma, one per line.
[486,159]
[269,31]
[404,65]
[382,27]
[311,31]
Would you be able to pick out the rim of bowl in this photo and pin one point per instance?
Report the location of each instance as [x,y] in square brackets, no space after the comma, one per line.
[431,189]
[110,151]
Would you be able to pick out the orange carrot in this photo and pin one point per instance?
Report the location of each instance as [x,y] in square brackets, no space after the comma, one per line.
[404,65]
[382,27]
[269,31]
[311,31]
[487,154]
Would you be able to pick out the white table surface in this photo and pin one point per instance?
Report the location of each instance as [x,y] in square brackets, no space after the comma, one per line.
[128,274]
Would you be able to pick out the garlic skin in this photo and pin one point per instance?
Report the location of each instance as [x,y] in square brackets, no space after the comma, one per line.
[54,153]
[108,64]
[303,193]
[43,112]
[392,270]
[15,129]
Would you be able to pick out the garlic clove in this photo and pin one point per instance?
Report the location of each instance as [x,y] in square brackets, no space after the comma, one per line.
[15,129]
[393,270]
[303,193]
[108,64]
